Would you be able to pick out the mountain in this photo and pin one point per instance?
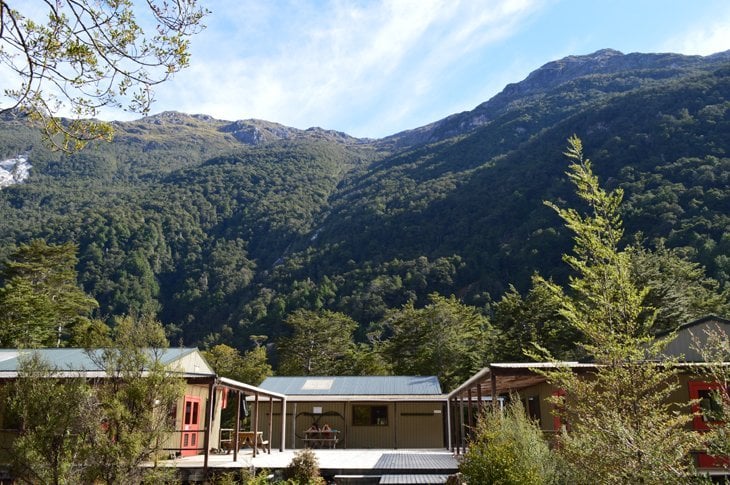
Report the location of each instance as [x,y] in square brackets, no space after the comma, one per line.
[224,227]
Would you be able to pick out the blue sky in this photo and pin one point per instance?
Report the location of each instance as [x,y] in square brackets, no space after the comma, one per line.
[372,68]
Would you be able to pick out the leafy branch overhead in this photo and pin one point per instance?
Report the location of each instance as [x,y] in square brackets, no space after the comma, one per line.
[83,55]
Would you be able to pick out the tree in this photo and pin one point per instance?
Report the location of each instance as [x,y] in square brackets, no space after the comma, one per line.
[621,428]
[134,403]
[320,343]
[714,347]
[52,414]
[40,300]
[445,338]
[508,448]
[252,367]
[532,319]
[679,289]
[79,430]
[83,55]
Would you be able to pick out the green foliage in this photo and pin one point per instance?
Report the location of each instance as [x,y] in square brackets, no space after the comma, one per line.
[52,414]
[509,449]
[243,476]
[304,469]
[40,300]
[623,428]
[534,319]
[320,344]
[100,56]
[445,338]
[76,430]
[714,348]
[133,404]
[224,229]
[679,289]
[252,367]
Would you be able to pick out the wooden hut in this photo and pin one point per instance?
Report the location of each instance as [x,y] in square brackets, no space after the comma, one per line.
[500,380]
[197,412]
[359,412]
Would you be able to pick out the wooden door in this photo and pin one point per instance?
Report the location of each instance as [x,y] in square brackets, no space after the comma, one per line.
[191,426]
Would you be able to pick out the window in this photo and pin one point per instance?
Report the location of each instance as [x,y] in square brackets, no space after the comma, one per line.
[708,407]
[532,407]
[370,415]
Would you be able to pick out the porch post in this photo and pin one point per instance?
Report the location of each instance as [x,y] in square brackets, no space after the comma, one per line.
[256,425]
[238,426]
[208,421]
[462,440]
[493,379]
[448,425]
[454,412]
[282,446]
[480,399]
[470,423]
[271,421]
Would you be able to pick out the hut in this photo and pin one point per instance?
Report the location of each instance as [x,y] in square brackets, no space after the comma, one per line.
[502,380]
[359,412]
[197,413]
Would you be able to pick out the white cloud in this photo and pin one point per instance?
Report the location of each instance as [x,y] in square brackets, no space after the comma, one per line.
[704,39]
[303,64]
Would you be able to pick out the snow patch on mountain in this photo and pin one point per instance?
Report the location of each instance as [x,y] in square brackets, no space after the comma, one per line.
[14,171]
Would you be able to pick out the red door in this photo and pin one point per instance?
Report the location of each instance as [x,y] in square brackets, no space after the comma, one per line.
[707,411]
[191,426]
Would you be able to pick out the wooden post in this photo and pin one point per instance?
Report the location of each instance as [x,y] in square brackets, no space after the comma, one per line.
[493,379]
[462,440]
[282,446]
[208,421]
[345,413]
[395,425]
[256,425]
[470,424]
[456,424]
[449,429]
[271,422]
[479,399]
[237,427]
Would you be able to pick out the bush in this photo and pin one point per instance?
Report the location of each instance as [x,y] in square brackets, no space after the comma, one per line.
[508,448]
[304,469]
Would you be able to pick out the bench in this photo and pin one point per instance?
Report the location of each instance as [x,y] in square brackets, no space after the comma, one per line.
[321,442]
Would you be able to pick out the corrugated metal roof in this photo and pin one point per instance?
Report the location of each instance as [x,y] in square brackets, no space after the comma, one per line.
[353,385]
[72,359]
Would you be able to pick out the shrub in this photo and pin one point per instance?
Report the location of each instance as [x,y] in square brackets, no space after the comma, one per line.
[508,448]
[304,469]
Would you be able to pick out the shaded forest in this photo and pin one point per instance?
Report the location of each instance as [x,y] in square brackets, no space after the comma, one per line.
[224,230]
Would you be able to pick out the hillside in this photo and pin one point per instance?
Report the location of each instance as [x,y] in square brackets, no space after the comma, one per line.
[225,227]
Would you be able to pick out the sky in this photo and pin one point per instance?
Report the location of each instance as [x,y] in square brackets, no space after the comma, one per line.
[372,68]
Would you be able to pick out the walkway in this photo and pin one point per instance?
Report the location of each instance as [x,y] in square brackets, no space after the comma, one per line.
[392,466]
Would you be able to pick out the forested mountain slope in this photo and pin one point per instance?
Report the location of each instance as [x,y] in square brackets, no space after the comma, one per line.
[226,227]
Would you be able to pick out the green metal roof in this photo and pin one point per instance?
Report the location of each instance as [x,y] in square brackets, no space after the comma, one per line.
[354,385]
[76,360]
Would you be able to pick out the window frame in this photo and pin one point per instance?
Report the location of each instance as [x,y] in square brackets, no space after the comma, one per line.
[374,418]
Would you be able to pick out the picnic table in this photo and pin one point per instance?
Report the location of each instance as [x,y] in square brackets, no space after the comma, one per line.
[245,438]
[318,438]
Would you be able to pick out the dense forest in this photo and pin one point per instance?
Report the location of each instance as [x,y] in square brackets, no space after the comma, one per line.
[226,230]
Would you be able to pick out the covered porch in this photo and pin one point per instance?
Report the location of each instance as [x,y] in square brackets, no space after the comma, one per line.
[495,383]
[259,438]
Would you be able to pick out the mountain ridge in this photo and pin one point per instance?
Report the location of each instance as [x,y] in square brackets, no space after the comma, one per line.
[222,227]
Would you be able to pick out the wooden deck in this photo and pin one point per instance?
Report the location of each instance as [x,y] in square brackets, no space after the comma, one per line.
[412,479]
[356,461]
[394,466]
